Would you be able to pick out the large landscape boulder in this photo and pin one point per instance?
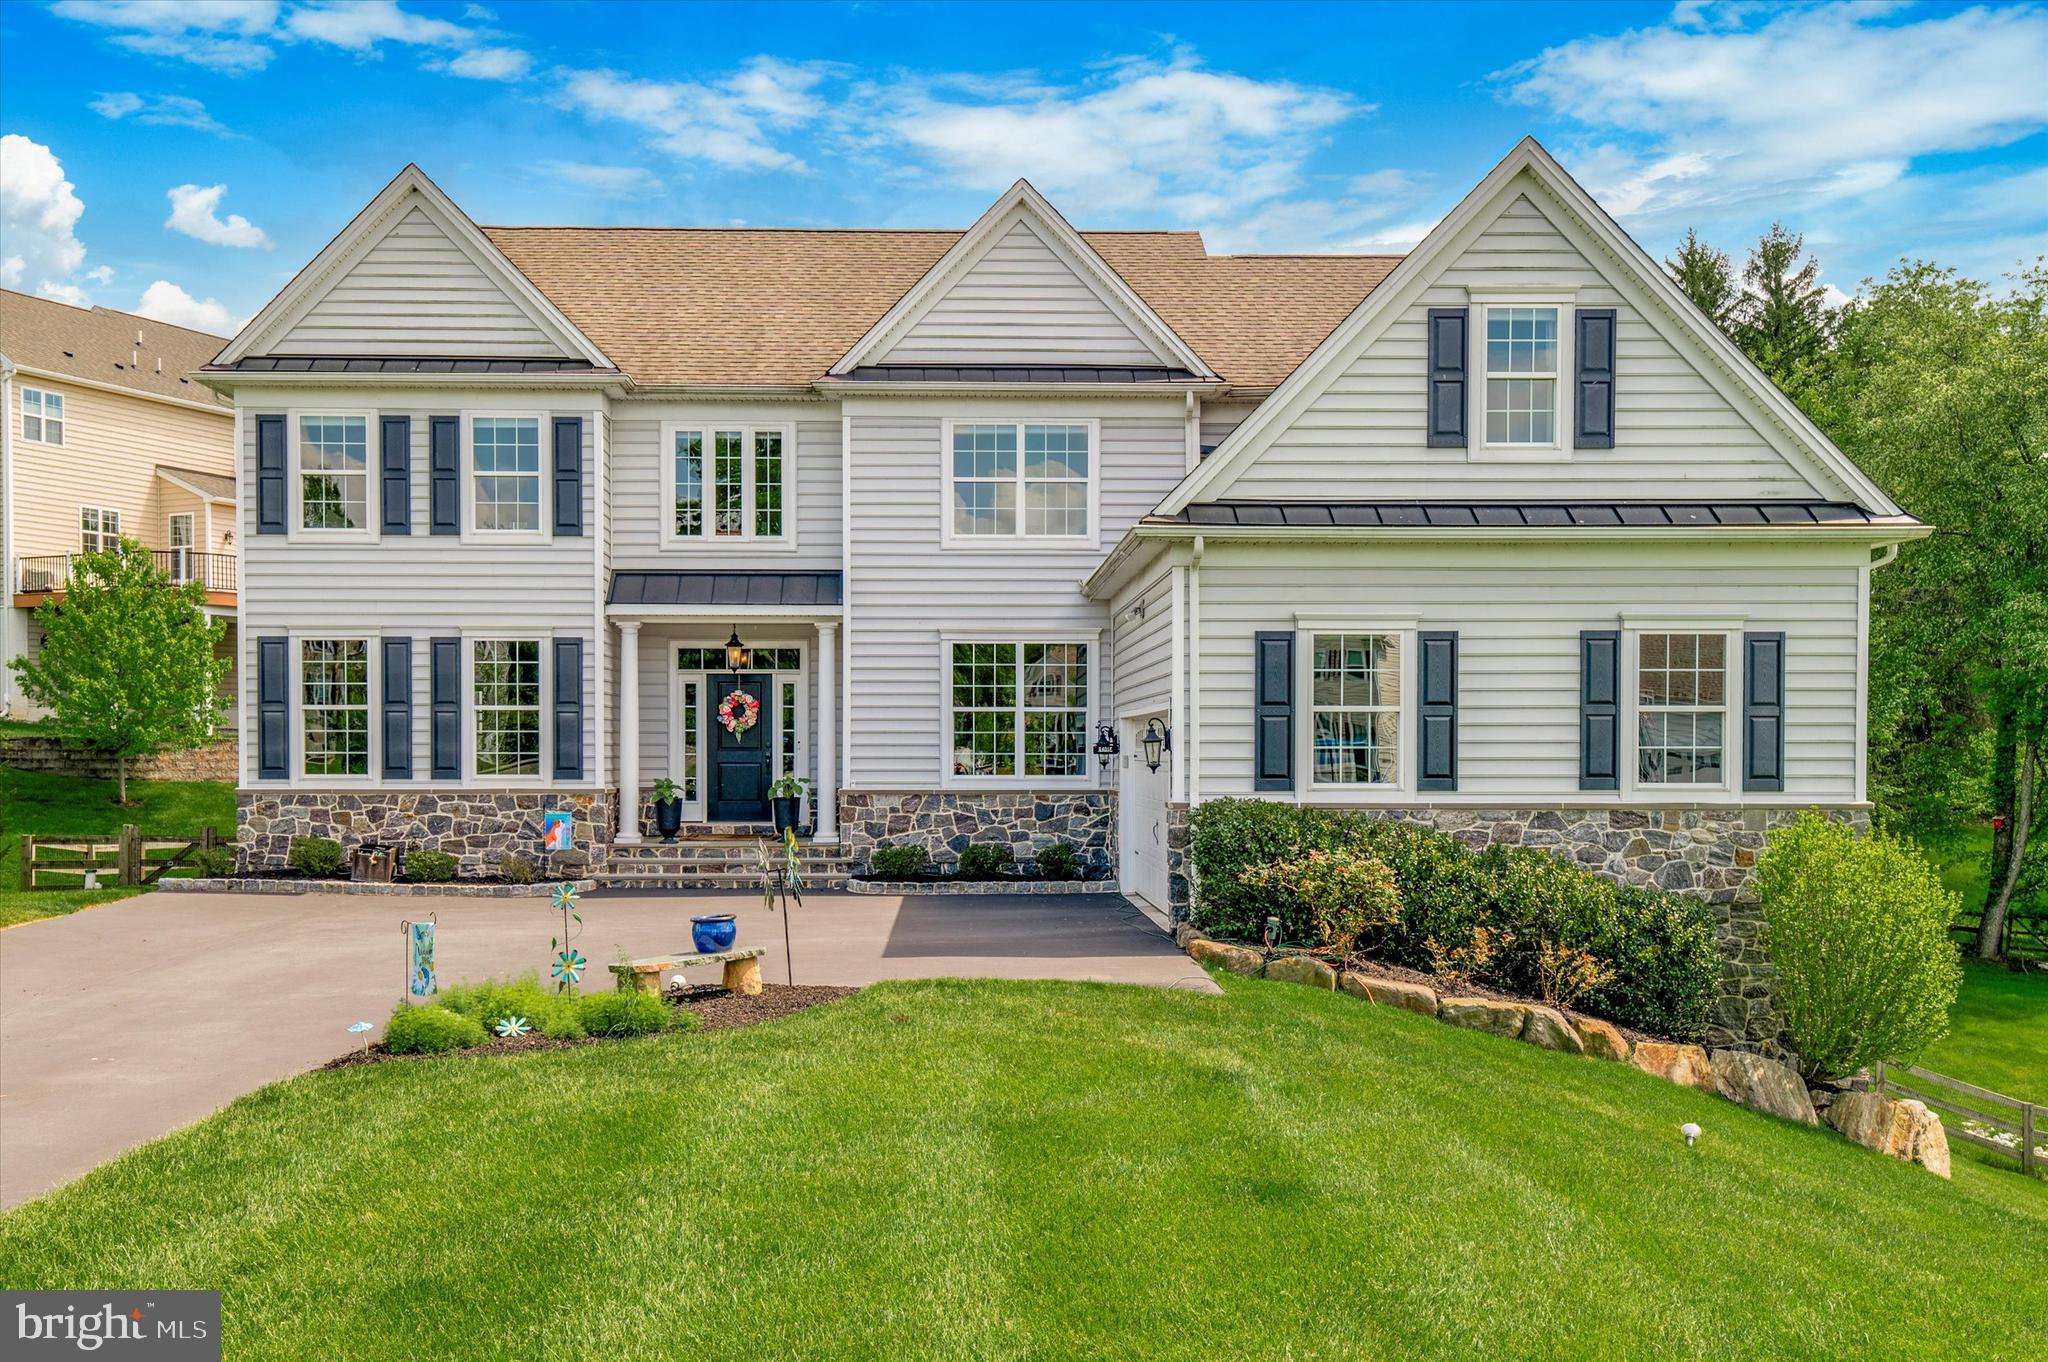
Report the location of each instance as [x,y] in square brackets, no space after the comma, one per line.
[1390,992]
[1547,1027]
[1301,969]
[1236,959]
[1762,1085]
[1905,1130]
[1484,1014]
[1685,1065]
[1600,1039]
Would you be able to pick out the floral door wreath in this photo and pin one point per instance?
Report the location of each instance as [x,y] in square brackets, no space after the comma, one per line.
[739,712]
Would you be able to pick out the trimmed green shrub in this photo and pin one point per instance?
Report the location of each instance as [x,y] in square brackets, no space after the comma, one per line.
[212,862]
[429,1030]
[897,863]
[429,867]
[1059,862]
[984,861]
[552,1014]
[319,857]
[515,869]
[625,1014]
[1343,893]
[1857,933]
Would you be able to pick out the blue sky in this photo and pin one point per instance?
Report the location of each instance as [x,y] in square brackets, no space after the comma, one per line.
[184,159]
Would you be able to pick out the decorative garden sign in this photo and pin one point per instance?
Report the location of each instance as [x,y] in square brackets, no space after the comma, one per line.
[557,832]
[419,943]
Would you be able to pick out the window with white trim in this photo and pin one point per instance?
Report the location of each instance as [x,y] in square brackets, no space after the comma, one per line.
[334,472]
[334,708]
[1681,708]
[1355,709]
[1521,375]
[1020,709]
[42,416]
[99,529]
[505,690]
[1027,480]
[729,482]
[504,464]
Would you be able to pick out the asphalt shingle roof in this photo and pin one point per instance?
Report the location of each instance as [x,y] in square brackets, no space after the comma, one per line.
[98,344]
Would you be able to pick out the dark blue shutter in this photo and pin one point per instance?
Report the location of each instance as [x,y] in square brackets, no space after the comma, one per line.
[1600,709]
[1447,347]
[1273,709]
[273,708]
[398,709]
[1595,404]
[568,475]
[1437,711]
[568,709]
[272,505]
[446,697]
[446,487]
[1763,711]
[395,480]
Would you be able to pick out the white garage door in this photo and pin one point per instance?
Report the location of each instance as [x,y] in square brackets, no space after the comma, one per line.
[1141,800]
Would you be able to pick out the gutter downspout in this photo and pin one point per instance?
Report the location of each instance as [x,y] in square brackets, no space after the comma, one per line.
[1195,675]
[1194,431]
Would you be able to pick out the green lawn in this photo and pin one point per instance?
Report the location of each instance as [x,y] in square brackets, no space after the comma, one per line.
[46,804]
[1998,1033]
[1031,1170]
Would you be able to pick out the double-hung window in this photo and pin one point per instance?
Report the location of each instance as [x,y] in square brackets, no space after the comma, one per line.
[99,529]
[1020,709]
[505,688]
[1020,480]
[1681,708]
[1521,375]
[728,483]
[334,689]
[334,472]
[42,416]
[1355,709]
[504,462]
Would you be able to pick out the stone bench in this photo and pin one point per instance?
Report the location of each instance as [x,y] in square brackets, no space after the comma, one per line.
[742,970]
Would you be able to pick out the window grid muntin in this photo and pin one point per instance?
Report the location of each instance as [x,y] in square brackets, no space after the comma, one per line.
[1521,375]
[686,456]
[334,472]
[712,659]
[99,529]
[1355,709]
[1682,708]
[984,479]
[505,690]
[1020,708]
[728,483]
[785,725]
[1027,480]
[692,697]
[505,462]
[768,458]
[45,410]
[334,694]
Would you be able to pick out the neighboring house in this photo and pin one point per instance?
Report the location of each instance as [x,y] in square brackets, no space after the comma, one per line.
[1502,535]
[107,438]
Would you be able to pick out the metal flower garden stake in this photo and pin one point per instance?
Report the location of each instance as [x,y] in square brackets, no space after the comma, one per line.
[567,966]
[782,881]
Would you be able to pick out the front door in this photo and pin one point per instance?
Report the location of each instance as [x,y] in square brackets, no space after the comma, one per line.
[739,761]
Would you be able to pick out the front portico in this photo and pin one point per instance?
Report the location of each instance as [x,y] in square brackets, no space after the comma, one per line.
[674,670]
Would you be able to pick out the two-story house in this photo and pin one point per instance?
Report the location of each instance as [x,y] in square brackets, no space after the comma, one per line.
[108,436]
[1501,534]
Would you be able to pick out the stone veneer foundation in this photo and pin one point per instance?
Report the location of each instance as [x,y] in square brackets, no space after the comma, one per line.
[945,823]
[1710,853]
[477,827]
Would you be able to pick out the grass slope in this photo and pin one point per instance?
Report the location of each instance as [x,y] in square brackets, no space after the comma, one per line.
[1998,1033]
[48,805]
[957,1169]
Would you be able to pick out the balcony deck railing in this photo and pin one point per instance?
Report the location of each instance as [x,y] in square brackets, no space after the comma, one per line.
[213,571]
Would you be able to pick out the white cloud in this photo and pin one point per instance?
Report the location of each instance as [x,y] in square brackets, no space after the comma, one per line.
[101,274]
[220,34]
[39,212]
[728,122]
[168,111]
[194,211]
[609,182]
[65,293]
[491,63]
[166,302]
[360,25]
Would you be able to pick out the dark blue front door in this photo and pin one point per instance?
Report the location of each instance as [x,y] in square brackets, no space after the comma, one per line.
[739,761]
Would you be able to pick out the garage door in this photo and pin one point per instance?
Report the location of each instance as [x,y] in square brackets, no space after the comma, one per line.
[1141,800]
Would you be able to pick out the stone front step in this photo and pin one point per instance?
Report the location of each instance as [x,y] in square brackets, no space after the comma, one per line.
[691,879]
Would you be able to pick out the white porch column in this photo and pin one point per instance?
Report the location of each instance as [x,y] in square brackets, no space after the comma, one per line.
[629,732]
[826,811]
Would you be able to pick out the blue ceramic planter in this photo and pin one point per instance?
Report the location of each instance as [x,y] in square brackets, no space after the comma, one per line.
[714,933]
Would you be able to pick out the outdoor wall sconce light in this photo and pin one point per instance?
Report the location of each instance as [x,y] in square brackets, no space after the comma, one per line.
[1106,744]
[1157,740]
[737,654]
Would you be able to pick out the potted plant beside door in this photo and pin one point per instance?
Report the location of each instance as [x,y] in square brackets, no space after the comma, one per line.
[787,795]
[668,809]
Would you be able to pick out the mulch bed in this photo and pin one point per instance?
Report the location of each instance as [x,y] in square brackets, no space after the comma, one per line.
[719,1010]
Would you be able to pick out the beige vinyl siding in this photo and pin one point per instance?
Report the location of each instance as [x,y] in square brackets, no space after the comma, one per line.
[1677,438]
[416,292]
[112,445]
[641,490]
[1020,303]
[421,585]
[905,591]
[1518,612]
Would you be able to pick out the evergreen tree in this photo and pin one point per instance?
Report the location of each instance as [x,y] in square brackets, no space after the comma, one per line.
[1782,320]
[1706,277]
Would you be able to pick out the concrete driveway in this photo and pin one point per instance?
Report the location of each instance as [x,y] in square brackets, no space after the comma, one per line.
[122,1023]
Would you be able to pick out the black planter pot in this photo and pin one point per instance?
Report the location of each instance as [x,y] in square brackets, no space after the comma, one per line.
[789,813]
[668,818]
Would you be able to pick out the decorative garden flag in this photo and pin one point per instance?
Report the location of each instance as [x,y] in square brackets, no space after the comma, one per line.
[420,942]
[557,832]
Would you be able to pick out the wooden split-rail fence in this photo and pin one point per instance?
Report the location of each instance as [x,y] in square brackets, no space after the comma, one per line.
[127,859]
[2003,1125]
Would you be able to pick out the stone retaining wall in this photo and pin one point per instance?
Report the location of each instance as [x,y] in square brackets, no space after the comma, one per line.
[946,823]
[216,761]
[477,827]
[402,889]
[903,888]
